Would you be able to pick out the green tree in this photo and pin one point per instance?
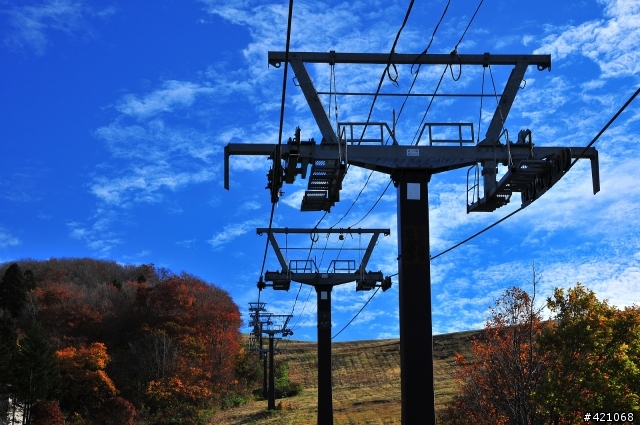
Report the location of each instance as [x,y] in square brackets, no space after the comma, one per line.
[35,372]
[596,357]
[13,292]
[8,348]
[8,351]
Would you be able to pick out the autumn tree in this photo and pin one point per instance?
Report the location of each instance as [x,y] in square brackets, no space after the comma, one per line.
[46,412]
[84,383]
[595,349]
[116,411]
[172,339]
[505,368]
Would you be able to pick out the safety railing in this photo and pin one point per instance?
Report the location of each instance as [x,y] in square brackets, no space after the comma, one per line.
[461,140]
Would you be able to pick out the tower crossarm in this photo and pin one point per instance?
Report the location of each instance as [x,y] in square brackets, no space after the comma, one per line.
[437,159]
[485,59]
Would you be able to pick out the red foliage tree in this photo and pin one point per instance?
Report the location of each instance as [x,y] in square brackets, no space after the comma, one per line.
[167,335]
[46,412]
[85,384]
[506,368]
[116,411]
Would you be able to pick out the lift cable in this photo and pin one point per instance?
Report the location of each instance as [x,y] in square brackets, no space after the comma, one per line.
[514,212]
[284,90]
[373,206]
[415,77]
[354,317]
[453,52]
[401,109]
[386,69]
[571,165]
[455,49]
[415,136]
[308,257]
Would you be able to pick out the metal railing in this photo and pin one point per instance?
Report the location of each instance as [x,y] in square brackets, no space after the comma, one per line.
[349,137]
[459,141]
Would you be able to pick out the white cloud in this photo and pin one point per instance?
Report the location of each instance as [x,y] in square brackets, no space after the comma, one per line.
[161,157]
[612,42]
[97,236]
[33,23]
[250,206]
[232,231]
[173,94]
[145,184]
[7,239]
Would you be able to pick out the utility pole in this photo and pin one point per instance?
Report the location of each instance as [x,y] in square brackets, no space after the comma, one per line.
[531,171]
[339,272]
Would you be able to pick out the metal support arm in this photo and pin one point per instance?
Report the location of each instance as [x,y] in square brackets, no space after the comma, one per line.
[437,159]
[542,61]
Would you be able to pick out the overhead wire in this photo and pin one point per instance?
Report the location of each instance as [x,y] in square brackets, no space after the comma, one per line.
[282,103]
[360,311]
[386,70]
[394,80]
[600,133]
[397,118]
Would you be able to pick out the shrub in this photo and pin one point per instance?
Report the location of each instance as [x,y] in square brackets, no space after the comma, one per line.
[46,412]
[116,411]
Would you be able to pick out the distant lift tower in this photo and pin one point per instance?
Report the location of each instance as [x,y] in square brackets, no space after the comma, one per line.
[531,171]
[278,325]
[339,272]
[259,319]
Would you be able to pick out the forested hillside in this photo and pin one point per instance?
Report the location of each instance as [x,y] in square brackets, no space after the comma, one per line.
[98,342]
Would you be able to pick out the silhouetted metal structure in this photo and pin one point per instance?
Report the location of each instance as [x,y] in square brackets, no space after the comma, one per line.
[339,272]
[531,170]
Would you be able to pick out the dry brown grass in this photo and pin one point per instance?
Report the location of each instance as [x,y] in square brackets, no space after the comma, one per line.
[366,383]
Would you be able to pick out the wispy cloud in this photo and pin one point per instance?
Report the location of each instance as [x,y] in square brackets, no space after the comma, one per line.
[97,236]
[145,185]
[157,157]
[610,42]
[232,231]
[7,239]
[32,24]
[173,94]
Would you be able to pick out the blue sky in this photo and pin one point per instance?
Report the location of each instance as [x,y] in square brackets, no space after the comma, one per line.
[114,116]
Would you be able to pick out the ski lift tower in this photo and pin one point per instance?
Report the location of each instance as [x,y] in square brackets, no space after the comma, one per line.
[338,272]
[531,171]
[277,325]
